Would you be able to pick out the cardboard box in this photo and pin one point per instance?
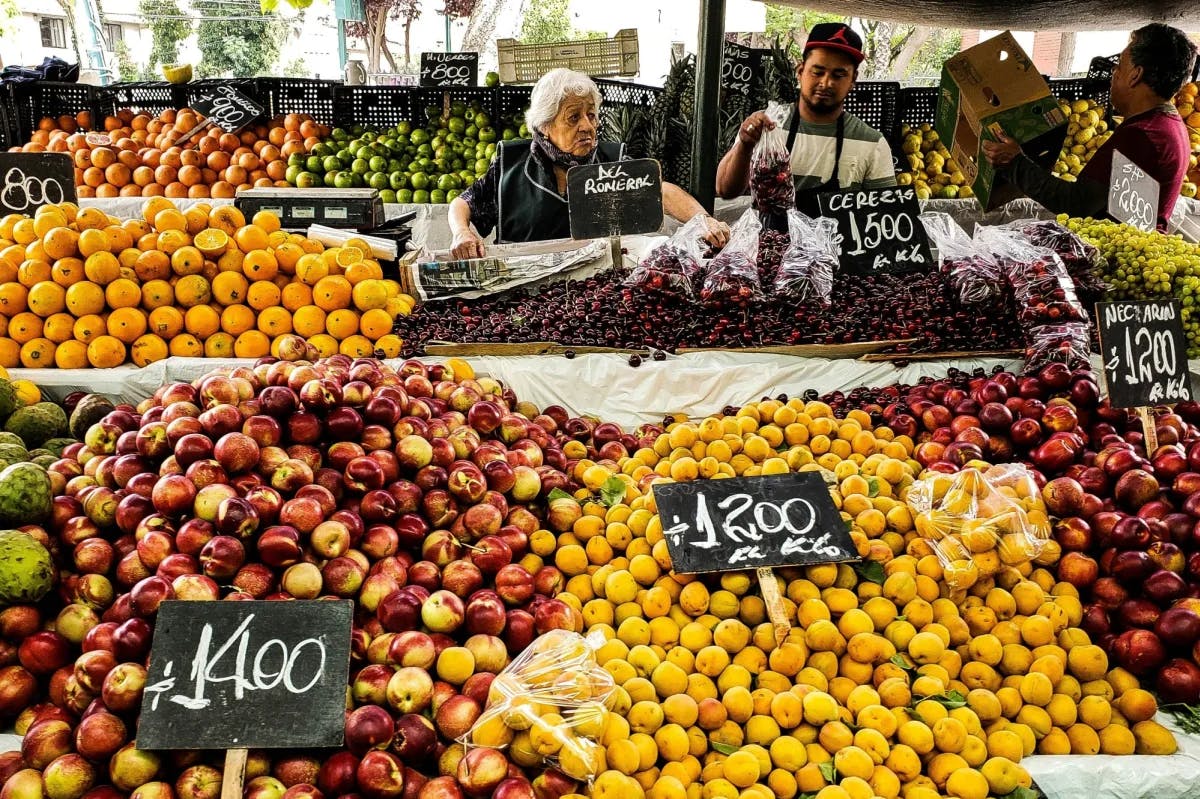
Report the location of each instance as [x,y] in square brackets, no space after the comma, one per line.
[995,88]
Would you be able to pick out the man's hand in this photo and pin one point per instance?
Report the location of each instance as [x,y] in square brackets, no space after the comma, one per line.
[716,232]
[753,127]
[466,245]
[1001,153]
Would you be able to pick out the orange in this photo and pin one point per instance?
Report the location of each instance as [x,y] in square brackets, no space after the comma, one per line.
[375,324]
[357,346]
[71,355]
[212,242]
[126,324]
[370,294]
[311,268]
[122,293]
[170,219]
[14,298]
[388,346]
[153,206]
[186,345]
[30,273]
[25,327]
[187,261]
[34,252]
[85,298]
[288,255]
[128,257]
[295,296]
[260,265]
[192,290]
[237,319]
[275,321]
[363,270]
[229,288]
[266,220]
[197,215]
[47,298]
[251,237]
[106,352]
[277,238]
[152,265]
[88,327]
[202,321]
[231,261]
[157,294]
[332,293]
[102,268]
[59,327]
[252,344]
[171,240]
[341,323]
[166,321]
[60,242]
[67,271]
[47,218]
[38,354]
[218,345]
[226,218]
[10,353]
[308,321]
[23,232]
[118,238]
[91,217]
[263,294]
[147,349]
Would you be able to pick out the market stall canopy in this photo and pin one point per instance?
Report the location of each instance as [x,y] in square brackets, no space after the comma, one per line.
[1026,15]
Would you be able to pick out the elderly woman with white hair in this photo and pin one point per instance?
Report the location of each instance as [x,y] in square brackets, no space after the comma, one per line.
[523,194]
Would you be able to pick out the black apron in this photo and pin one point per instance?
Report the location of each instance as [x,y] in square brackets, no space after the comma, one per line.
[806,199]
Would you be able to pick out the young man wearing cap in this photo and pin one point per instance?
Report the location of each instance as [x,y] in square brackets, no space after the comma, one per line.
[1153,67]
[831,150]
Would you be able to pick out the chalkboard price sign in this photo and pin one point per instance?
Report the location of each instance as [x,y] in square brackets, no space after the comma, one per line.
[738,68]
[879,230]
[1132,194]
[1144,352]
[227,675]
[31,180]
[752,522]
[227,108]
[449,69]
[622,197]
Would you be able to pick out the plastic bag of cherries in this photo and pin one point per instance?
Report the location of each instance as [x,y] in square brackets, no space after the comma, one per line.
[1084,262]
[1044,292]
[971,272]
[732,276]
[806,271]
[675,267]
[1069,343]
[772,187]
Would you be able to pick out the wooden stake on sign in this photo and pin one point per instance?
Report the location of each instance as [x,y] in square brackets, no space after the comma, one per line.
[187,137]
[1149,429]
[234,774]
[770,595]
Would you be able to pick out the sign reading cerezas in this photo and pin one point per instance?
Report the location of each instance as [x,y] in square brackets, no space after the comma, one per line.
[227,675]
[738,67]
[1132,194]
[31,180]
[879,229]
[622,197]
[226,108]
[752,522]
[449,69]
[1144,352]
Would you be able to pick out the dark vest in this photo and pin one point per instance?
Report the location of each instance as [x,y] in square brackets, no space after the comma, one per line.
[529,205]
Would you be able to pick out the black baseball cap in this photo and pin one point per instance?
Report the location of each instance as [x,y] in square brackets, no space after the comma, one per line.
[836,36]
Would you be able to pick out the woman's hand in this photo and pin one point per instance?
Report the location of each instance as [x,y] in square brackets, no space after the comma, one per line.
[716,232]
[753,127]
[1003,152]
[466,245]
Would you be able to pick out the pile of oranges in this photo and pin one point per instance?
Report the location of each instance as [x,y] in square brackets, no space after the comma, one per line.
[137,155]
[80,288]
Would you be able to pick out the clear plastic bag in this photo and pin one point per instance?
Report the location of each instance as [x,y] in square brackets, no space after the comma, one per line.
[978,522]
[732,276]
[1083,262]
[806,271]
[973,274]
[772,187]
[1069,343]
[676,266]
[1044,292]
[556,699]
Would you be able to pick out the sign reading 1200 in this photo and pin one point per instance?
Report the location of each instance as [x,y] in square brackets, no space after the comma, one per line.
[745,523]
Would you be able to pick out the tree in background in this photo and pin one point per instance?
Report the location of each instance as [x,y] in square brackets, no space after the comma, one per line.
[8,12]
[127,70]
[234,43]
[545,21]
[372,30]
[168,27]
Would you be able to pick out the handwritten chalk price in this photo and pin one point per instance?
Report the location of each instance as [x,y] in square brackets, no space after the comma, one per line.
[227,108]
[614,198]
[31,180]
[1143,351]
[449,69]
[1133,195]
[878,230]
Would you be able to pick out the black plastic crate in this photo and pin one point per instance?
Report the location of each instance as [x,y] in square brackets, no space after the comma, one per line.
[918,105]
[299,96]
[620,92]
[9,124]
[37,99]
[376,106]
[1100,74]
[512,100]
[878,104]
[1072,89]
[151,97]
[435,96]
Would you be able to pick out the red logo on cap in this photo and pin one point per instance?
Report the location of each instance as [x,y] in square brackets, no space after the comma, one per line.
[840,36]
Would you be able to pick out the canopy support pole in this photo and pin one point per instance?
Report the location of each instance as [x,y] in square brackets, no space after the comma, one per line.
[708,97]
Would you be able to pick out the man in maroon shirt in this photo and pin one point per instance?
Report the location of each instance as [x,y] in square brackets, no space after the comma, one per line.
[1153,67]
